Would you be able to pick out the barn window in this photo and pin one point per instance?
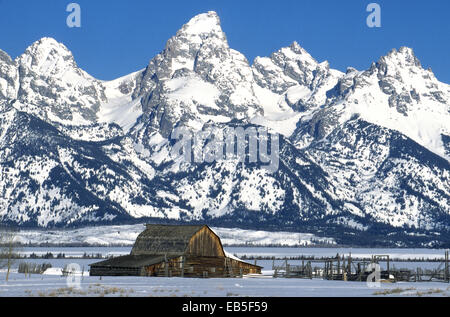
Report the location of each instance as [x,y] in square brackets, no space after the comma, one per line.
[212,270]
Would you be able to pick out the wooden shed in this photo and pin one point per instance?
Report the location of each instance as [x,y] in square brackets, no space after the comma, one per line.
[183,251]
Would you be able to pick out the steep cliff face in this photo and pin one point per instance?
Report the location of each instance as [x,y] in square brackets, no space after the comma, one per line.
[363,155]
[9,77]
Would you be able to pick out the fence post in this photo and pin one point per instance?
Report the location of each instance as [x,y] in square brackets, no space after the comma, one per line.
[166,266]
[182,266]
[388,266]
[338,264]
[446,273]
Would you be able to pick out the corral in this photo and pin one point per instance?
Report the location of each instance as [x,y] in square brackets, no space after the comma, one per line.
[350,269]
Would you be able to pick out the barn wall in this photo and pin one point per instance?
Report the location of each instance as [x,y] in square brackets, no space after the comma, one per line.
[246,267]
[205,243]
[195,266]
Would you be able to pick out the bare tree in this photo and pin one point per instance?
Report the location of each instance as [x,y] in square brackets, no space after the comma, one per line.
[8,250]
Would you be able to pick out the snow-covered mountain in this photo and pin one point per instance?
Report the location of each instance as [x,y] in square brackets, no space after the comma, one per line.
[396,93]
[364,155]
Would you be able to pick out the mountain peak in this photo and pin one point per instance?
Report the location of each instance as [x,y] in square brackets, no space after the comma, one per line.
[403,57]
[47,57]
[46,41]
[204,23]
[47,44]
[4,57]
[194,43]
[296,48]
[296,52]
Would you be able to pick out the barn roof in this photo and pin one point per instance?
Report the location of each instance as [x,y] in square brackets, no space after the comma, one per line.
[164,240]
[133,261]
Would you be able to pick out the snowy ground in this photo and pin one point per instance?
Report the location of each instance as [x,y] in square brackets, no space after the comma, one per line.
[41,285]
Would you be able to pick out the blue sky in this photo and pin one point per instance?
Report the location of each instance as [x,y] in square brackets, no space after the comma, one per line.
[119,37]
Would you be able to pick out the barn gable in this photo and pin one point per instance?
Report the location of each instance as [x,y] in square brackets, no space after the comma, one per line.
[205,243]
[174,240]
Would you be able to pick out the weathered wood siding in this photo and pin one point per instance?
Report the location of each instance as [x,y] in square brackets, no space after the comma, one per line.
[197,266]
[246,267]
[205,243]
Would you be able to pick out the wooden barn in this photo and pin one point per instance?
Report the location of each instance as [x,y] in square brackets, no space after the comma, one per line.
[182,251]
